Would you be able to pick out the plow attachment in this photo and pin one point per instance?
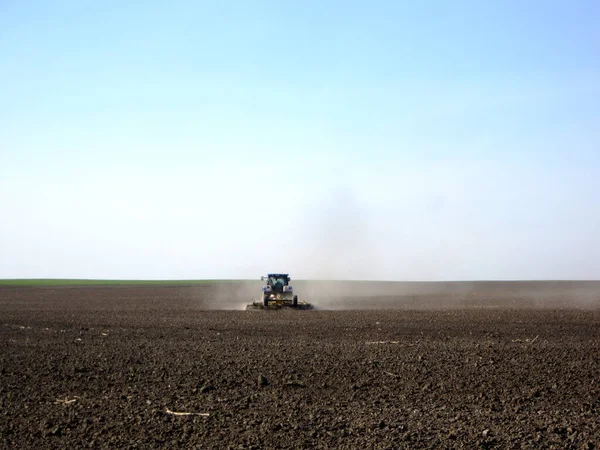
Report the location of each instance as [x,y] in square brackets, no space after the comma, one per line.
[274,305]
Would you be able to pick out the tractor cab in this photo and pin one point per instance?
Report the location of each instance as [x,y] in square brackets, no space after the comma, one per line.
[277,281]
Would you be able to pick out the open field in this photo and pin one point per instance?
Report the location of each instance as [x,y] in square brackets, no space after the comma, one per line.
[379,365]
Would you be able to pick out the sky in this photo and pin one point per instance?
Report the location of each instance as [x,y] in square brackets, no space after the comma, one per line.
[383,140]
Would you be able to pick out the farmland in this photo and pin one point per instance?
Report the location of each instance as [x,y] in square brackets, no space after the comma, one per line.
[389,365]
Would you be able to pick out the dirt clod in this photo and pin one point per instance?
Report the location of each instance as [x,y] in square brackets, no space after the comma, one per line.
[262,380]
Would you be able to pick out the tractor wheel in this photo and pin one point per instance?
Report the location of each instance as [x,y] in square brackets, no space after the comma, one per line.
[266,300]
[295,301]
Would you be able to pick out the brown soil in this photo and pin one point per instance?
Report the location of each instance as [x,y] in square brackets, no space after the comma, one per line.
[445,365]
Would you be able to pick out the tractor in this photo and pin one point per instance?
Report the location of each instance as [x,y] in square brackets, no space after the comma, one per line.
[278,293]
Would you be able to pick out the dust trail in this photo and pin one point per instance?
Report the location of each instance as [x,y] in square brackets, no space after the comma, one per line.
[338,241]
[346,295]
[227,295]
[363,295]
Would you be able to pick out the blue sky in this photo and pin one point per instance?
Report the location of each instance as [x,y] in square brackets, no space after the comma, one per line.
[392,140]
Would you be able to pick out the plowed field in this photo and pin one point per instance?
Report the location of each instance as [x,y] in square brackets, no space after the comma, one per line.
[506,365]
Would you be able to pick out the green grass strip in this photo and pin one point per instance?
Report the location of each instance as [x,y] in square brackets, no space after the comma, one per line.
[92,282]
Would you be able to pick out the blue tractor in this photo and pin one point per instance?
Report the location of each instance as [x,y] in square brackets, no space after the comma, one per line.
[278,293]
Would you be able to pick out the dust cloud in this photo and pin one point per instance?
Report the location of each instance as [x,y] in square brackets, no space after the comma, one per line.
[227,295]
[364,295]
[338,260]
[338,241]
[346,263]
[381,295]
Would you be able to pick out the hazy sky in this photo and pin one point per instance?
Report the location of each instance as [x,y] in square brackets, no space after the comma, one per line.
[401,140]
